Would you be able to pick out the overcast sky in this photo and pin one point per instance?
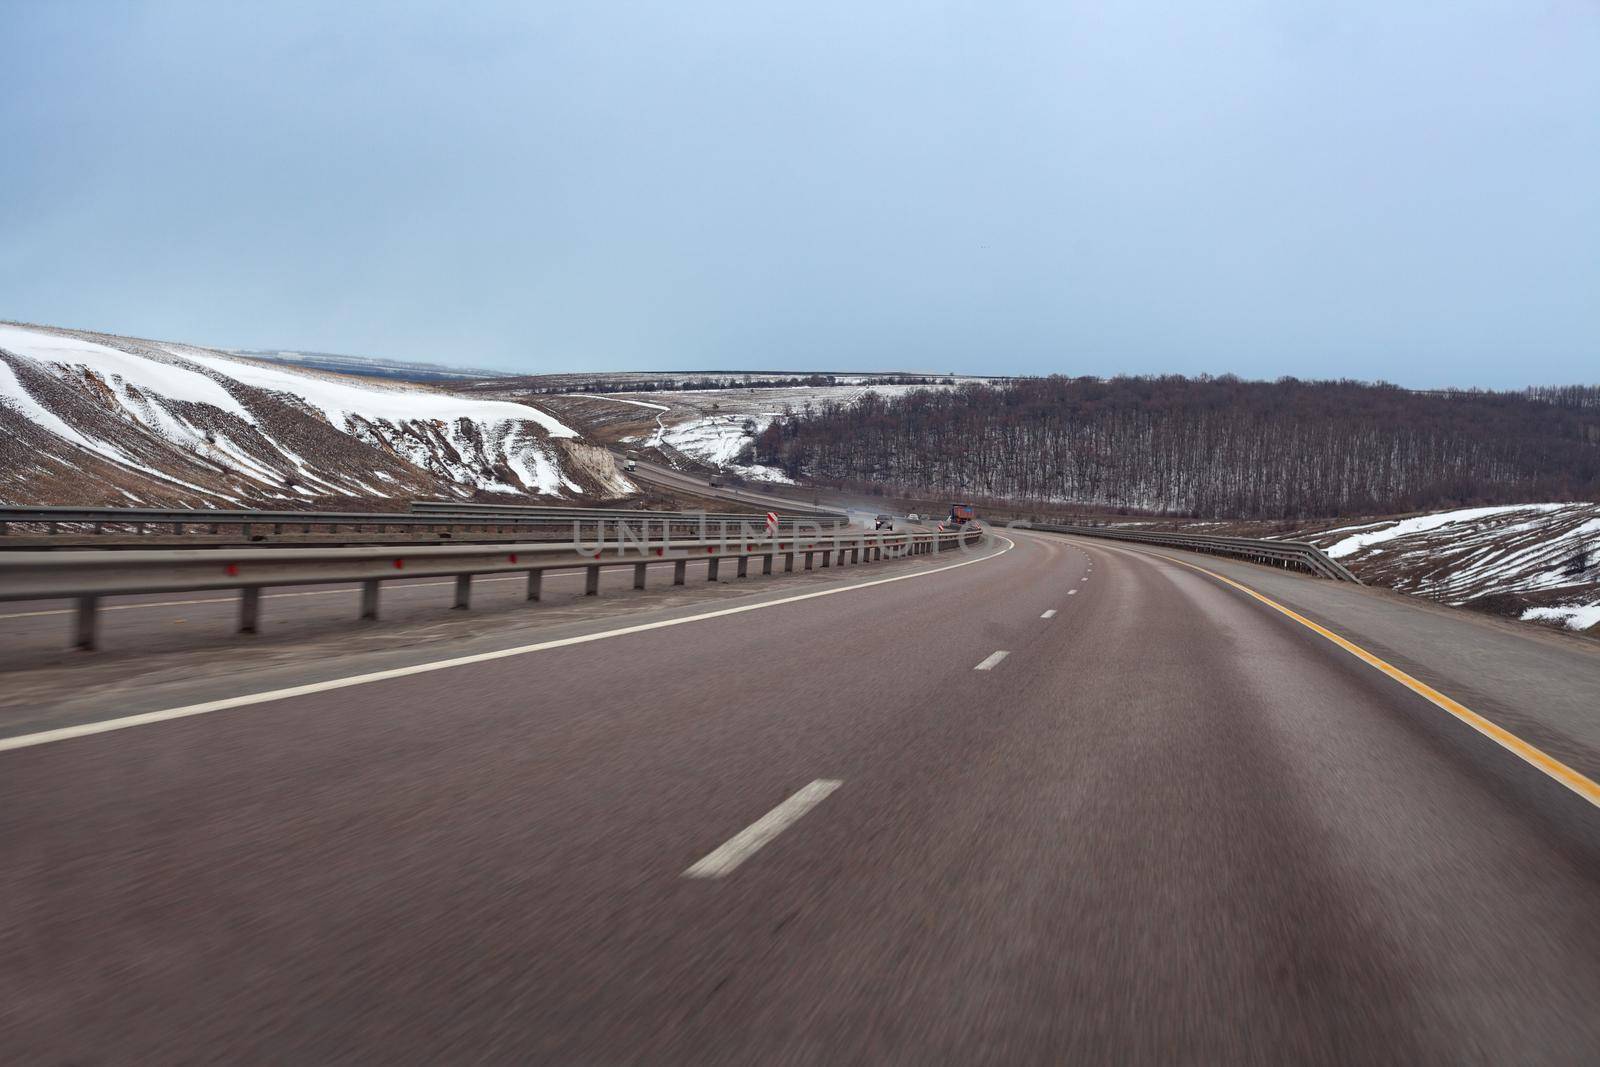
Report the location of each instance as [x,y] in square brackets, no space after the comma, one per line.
[1363,188]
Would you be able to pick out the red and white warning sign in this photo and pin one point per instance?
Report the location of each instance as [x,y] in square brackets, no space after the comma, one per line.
[772,520]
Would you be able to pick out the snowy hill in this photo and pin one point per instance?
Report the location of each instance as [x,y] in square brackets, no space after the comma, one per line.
[1538,561]
[94,418]
[367,366]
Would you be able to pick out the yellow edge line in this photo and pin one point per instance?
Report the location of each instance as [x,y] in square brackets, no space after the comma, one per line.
[1573,780]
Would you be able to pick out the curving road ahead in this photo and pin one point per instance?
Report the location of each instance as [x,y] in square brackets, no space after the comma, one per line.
[700,485]
[821,821]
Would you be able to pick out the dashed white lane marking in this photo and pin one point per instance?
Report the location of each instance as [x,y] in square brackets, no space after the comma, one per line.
[1049,614]
[742,845]
[66,733]
[1083,579]
[1072,592]
[992,661]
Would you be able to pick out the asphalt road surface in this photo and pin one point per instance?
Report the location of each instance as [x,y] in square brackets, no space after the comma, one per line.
[669,478]
[1056,801]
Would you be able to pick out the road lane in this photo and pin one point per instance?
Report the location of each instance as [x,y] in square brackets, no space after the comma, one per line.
[313,805]
[1542,685]
[1242,859]
[1169,827]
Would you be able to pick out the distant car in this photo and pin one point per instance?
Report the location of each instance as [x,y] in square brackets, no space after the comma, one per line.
[716,483]
[884,522]
[913,517]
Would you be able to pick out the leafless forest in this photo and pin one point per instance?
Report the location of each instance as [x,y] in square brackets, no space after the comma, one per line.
[1207,447]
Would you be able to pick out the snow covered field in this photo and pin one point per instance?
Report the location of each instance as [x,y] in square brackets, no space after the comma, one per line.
[180,421]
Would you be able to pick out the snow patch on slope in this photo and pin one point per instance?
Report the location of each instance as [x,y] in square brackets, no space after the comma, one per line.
[121,369]
[339,401]
[1422,524]
[1541,561]
[14,396]
[185,415]
[718,440]
[1574,617]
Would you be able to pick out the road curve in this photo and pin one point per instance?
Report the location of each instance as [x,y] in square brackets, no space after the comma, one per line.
[1167,824]
[669,478]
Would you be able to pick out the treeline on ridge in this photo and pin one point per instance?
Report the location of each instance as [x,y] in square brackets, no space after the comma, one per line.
[1206,447]
[707,382]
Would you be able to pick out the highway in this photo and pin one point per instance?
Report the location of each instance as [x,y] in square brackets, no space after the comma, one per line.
[668,478]
[1048,801]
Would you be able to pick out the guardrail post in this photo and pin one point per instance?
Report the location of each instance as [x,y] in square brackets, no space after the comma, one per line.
[744,567]
[535,581]
[638,575]
[249,609]
[86,627]
[591,580]
[369,598]
[827,557]
[463,592]
[766,563]
[788,562]
[711,568]
[678,570]
[855,554]
[808,561]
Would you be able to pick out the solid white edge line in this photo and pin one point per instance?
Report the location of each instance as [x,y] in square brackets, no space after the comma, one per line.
[991,661]
[742,845]
[65,733]
[1049,614]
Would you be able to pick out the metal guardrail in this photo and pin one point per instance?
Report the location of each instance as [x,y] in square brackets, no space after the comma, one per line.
[796,510]
[87,577]
[255,524]
[1297,555]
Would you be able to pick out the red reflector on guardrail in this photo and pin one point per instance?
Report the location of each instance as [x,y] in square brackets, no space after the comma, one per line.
[399,564]
[232,569]
[513,557]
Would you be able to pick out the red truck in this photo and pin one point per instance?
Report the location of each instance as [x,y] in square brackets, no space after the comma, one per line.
[962,513]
